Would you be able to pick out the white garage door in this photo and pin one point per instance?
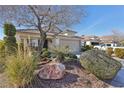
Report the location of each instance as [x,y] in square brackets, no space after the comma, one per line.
[74,45]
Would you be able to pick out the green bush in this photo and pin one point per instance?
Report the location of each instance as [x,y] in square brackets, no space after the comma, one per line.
[2,56]
[85,48]
[20,68]
[119,52]
[44,49]
[2,45]
[45,53]
[10,40]
[9,29]
[109,51]
[70,56]
[2,48]
[62,54]
[10,44]
[59,52]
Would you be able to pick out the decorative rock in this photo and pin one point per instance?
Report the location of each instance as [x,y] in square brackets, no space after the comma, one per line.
[52,71]
[100,64]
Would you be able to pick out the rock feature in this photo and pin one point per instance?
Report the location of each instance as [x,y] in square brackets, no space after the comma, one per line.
[100,64]
[52,71]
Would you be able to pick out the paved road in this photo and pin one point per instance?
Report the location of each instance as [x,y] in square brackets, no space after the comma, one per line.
[118,81]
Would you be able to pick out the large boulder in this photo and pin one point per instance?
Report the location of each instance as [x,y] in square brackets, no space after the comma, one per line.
[52,71]
[100,64]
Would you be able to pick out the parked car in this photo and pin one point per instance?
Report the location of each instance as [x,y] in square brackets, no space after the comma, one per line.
[105,46]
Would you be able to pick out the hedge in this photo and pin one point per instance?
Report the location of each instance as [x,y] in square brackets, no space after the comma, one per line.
[119,52]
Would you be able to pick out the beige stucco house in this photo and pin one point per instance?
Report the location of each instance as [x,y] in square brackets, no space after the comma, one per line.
[30,37]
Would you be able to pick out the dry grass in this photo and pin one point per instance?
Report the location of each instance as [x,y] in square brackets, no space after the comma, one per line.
[20,68]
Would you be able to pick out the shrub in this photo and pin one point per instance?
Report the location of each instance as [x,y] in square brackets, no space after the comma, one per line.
[45,53]
[59,52]
[2,56]
[2,64]
[87,47]
[10,44]
[70,56]
[2,45]
[10,40]
[9,29]
[119,52]
[20,68]
[109,51]
[2,48]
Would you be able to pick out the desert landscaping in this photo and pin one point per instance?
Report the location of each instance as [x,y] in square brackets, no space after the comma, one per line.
[39,50]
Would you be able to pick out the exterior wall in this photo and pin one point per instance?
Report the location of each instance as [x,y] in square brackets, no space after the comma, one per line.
[51,43]
[74,43]
[28,40]
[69,34]
[88,43]
[92,43]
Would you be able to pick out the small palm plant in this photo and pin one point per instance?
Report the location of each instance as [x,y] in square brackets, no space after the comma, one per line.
[59,53]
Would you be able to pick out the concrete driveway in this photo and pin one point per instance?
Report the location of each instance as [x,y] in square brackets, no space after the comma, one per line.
[118,81]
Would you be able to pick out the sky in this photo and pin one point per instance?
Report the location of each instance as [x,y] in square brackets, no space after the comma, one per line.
[99,20]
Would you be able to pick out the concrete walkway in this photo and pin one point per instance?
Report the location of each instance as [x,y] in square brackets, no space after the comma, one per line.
[118,81]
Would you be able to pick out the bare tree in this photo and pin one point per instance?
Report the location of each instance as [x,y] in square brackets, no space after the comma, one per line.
[118,36]
[42,18]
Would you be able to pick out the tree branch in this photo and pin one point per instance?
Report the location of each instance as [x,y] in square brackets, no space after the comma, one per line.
[43,16]
[49,27]
[33,10]
[59,32]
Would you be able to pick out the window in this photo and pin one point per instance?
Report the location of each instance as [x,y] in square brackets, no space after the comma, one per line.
[102,45]
[94,43]
[108,44]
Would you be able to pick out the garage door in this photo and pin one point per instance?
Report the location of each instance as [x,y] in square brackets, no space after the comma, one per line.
[74,45]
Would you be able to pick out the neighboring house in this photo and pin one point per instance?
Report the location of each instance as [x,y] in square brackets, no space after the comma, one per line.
[108,40]
[90,40]
[31,37]
[96,40]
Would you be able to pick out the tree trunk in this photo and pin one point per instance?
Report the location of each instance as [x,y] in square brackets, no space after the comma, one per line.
[42,42]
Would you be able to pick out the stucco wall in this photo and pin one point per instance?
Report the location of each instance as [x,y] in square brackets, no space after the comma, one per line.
[73,42]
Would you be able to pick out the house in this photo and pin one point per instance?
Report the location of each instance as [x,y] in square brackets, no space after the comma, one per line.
[109,39]
[31,37]
[96,40]
[90,40]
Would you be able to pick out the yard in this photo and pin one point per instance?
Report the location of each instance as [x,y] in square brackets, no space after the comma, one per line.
[23,66]
[75,77]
